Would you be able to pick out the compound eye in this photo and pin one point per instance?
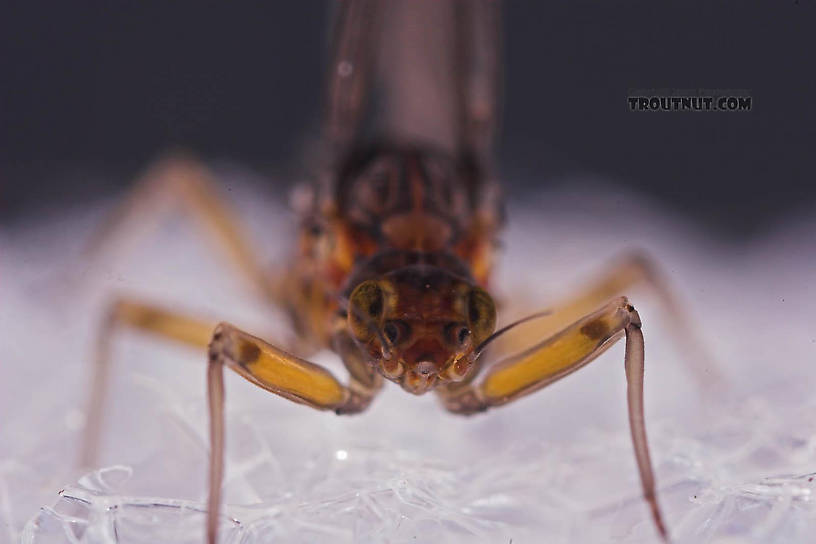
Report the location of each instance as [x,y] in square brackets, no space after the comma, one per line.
[366,306]
[481,314]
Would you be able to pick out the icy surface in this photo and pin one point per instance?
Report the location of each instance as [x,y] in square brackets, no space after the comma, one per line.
[554,467]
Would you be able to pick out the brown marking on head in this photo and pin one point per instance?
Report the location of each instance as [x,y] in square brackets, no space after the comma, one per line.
[595,329]
[248,353]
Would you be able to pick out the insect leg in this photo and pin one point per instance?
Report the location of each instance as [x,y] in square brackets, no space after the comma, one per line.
[562,354]
[364,381]
[625,272]
[272,369]
[180,184]
[167,324]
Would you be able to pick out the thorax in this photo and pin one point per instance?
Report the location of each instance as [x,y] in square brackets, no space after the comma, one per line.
[386,208]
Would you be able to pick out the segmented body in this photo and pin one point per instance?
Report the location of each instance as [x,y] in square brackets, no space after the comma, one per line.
[405,203]
[396,244]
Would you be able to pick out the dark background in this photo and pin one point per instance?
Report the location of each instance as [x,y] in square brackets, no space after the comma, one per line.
[92,91]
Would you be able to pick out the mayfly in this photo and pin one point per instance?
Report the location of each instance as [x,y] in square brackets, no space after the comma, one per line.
[393,258]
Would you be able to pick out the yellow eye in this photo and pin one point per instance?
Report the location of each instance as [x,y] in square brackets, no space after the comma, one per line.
[481,314]
[366,306]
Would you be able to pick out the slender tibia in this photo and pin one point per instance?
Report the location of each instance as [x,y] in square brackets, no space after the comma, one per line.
[272,369]
[634,362]
[215,401]
[560,355]
[160,322]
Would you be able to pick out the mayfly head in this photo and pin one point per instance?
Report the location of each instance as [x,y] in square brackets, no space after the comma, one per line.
[420,325]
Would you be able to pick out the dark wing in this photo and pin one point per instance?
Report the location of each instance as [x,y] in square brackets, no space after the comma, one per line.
[424,72]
